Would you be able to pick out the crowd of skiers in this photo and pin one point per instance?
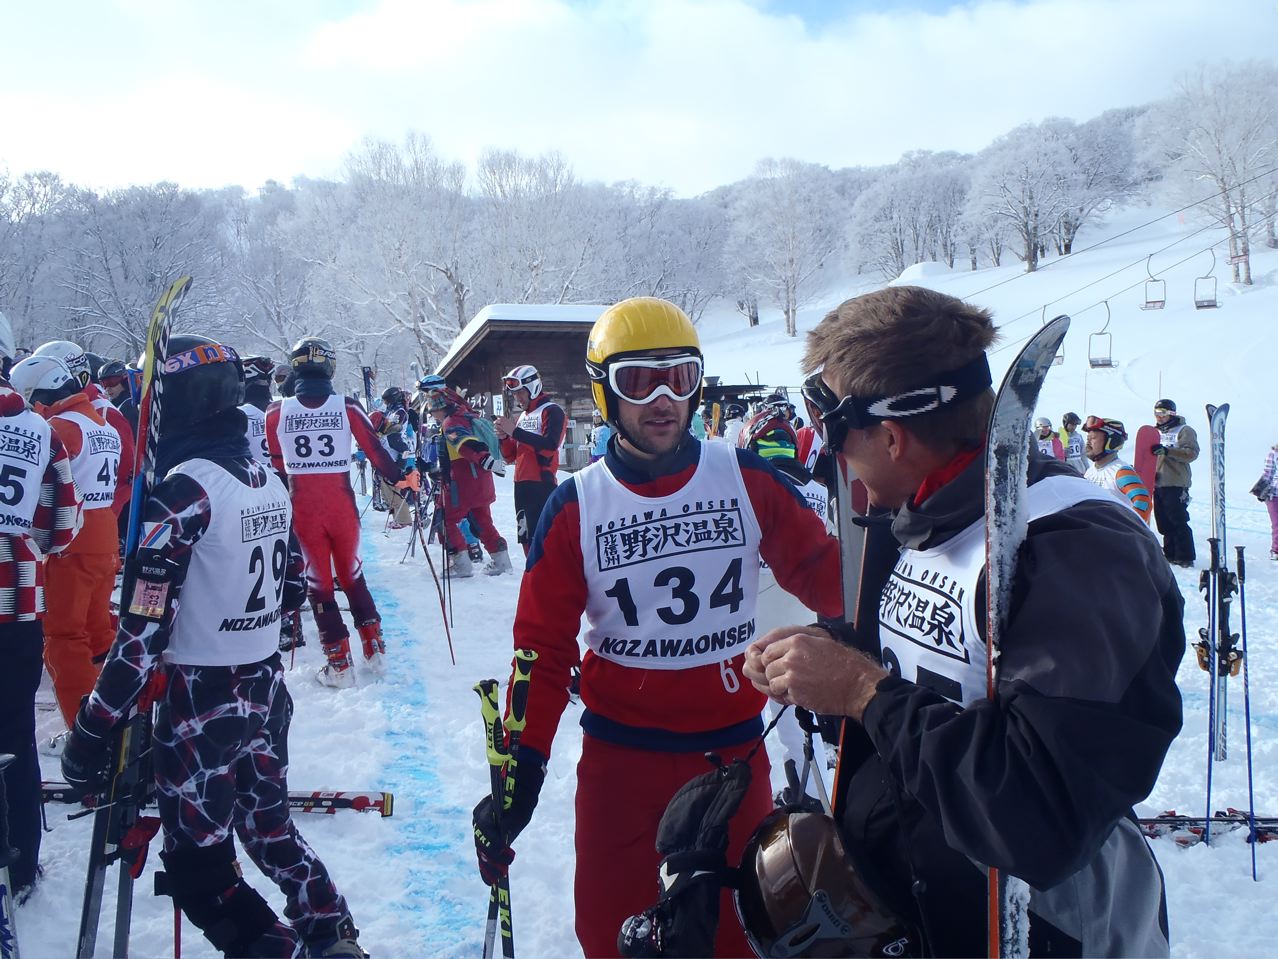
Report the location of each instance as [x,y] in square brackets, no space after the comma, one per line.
[1158,485]
[713,593]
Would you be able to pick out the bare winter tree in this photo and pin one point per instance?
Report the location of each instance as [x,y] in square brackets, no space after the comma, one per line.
[540,228]
[133,243]
[1218,141]
[271,280]
[31,229]
[1021,180]
[1100,169]
[784,224]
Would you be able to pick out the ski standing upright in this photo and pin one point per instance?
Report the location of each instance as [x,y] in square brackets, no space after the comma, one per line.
[1217,649]
[1006,473]
[117,810]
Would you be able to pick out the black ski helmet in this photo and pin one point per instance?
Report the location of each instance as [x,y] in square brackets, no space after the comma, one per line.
[801,895]
[313,356]
[199,378]
[394,396]
[258,368]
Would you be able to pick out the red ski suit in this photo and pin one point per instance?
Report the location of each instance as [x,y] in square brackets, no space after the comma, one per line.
[469,489]
[646,729]
[325,517]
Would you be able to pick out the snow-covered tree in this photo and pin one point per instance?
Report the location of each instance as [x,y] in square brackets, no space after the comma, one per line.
[1022,180]
[1218,141]
[132,243]
[785,222]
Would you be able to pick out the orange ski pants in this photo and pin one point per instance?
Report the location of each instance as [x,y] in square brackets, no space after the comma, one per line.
[78,627]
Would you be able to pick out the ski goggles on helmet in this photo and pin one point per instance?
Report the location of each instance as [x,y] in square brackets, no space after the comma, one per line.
[832,416]
[641,380]
[199,356]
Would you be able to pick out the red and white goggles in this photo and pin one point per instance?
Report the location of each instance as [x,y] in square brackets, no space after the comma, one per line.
[642,379]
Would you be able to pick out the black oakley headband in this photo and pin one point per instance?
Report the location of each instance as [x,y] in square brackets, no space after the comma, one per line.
[838,415]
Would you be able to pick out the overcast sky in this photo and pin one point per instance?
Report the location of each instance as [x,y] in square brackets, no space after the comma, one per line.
[688,94]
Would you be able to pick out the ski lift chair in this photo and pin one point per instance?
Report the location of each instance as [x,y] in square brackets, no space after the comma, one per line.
[1155,290]
[1100,346]
[1205,288]
[1059,358]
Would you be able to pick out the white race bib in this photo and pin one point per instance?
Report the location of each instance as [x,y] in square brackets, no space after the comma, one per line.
[315,440]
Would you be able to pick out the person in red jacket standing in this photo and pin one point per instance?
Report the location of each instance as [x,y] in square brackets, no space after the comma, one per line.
[78,627]
[309,435]
[531,441]
[468,491]
[40,513]
[658,544]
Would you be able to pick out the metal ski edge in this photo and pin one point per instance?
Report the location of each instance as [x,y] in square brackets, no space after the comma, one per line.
[382,803]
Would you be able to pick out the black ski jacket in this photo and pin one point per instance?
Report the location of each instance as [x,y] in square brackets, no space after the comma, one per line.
[1041,781]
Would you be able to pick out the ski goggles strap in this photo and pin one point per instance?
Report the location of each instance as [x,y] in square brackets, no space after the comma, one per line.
[642,379]
[200,355]
[833,416]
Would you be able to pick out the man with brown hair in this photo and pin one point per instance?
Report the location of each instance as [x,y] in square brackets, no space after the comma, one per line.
[935,776]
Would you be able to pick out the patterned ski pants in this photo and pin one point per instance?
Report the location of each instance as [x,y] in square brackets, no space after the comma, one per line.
[221,761]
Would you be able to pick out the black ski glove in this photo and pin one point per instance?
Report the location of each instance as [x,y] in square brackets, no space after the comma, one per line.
[496,830]
[1158,449]
[693,838]
[86,759]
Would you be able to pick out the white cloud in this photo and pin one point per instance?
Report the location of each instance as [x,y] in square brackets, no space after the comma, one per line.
[689,94]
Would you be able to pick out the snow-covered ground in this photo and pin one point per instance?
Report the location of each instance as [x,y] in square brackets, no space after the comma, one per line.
[411,880]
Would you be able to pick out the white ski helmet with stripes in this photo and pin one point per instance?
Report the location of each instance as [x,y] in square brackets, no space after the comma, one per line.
[38,374]
[523,377]
[76,360]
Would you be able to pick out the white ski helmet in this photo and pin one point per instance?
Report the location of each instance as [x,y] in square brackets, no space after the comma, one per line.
[1042,423]
[77,362]
[7,348]
[523,377]
[39,374]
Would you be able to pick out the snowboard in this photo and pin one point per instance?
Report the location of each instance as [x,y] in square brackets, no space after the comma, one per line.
[1146,463]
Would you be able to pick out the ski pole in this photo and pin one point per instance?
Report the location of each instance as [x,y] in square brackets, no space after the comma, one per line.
[499,892]
[8,856]
[518,716]
[1242,625]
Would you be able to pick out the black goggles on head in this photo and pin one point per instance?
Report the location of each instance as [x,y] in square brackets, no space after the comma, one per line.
[832,416]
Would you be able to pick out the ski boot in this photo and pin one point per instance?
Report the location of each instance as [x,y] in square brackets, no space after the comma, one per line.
[344,943]
[460,566]
[337,673]
[370,635]
[291,637]
[475,552]
[500,563]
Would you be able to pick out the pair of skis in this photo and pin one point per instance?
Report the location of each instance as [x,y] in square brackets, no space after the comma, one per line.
[1221,652]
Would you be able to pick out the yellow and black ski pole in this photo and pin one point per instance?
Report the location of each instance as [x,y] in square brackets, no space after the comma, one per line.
[517,718]
[499,895]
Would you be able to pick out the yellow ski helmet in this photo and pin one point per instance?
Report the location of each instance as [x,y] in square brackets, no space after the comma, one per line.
[633,327]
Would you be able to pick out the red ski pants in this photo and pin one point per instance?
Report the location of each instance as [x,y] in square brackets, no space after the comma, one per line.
[327,526]
[621,795]
[481,524]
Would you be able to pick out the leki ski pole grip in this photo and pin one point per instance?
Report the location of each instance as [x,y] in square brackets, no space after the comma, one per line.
[495,740]
[518,717]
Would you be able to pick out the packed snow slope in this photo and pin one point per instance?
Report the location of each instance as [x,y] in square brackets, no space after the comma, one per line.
[411,880]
